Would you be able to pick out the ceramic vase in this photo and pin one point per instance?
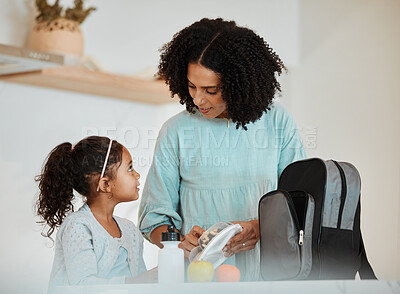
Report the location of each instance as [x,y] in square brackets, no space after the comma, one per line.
[60,36]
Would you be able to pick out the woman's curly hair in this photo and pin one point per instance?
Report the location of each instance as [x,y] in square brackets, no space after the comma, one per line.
[69,168]
[245,63]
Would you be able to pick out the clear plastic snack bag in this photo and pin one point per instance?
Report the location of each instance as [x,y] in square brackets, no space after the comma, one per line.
[212,241]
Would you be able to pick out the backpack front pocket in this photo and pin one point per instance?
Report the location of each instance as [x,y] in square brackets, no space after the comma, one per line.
[286,220]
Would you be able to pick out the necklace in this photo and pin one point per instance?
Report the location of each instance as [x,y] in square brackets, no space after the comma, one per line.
[227,119]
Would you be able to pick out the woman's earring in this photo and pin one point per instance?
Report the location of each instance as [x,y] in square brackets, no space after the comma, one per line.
[110,196]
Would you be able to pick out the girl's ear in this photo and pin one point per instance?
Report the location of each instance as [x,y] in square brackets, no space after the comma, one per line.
[104,185]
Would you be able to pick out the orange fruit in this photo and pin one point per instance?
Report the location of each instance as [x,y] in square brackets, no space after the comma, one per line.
[200,271]
[227,273]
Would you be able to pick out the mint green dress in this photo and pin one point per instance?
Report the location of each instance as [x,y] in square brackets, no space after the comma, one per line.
[204,172]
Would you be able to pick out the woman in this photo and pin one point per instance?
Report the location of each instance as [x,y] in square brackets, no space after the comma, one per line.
[215,160]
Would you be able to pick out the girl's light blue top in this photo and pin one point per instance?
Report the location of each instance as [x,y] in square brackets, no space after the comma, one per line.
[86,254]
[204,172]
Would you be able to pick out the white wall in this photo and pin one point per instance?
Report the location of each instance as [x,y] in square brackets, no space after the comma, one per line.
[346,85]
[342,84]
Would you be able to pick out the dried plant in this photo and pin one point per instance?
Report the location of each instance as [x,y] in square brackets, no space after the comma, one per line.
[78,13]
[51,12]
[48,12]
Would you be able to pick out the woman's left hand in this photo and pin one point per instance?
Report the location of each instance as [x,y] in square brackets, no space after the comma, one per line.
[245,240]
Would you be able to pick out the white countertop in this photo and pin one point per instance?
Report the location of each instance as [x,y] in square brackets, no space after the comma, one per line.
[286,287]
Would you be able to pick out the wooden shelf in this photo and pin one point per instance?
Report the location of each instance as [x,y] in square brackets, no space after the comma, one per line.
[82,80]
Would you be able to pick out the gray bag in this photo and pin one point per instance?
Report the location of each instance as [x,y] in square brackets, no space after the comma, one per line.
[310,226]
[286,242]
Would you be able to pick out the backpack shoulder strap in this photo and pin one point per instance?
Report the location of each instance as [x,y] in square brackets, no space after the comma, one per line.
[366,272]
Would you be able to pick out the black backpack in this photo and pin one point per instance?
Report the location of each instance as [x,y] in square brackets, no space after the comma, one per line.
[310,226]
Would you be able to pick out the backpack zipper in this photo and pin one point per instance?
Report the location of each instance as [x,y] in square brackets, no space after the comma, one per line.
[301,237]
[343,193]
[296,219]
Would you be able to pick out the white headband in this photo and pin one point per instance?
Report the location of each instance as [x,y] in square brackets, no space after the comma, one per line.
[105,164]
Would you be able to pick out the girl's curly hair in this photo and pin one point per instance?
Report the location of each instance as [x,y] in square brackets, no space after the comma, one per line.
[68,168]
[245,63]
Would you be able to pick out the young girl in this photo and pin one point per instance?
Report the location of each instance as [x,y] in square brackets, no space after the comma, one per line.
[92,245]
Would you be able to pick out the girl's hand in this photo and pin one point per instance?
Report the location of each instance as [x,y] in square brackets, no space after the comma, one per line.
[245,240]
[191,240]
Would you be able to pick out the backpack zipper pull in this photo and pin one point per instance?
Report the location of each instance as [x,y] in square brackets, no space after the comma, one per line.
[301,237]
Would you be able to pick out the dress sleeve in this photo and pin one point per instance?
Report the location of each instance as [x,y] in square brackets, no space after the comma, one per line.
[160,199]
[291,145]
[80,258]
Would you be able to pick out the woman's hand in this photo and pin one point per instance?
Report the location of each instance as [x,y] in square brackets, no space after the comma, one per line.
[191,240]
[245,240]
